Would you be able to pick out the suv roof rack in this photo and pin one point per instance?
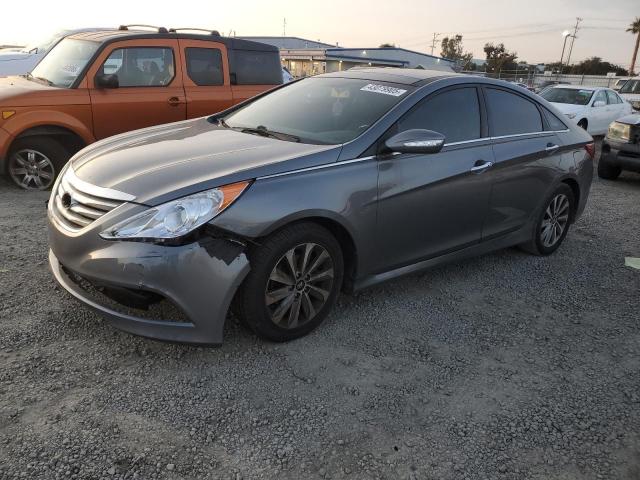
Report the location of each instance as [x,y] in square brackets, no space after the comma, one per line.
[215,33]
[159,29]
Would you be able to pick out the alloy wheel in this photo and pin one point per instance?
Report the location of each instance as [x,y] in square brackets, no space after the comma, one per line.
[555,220]
[31,170]
[299,285]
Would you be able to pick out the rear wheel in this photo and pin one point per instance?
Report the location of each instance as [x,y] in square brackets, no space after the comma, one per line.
[583,123]
[553,222]
[296,276]
[34,162]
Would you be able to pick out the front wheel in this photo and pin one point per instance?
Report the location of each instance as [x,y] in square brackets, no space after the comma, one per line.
[553,222]
[606,170]
[34,162]
[295,278]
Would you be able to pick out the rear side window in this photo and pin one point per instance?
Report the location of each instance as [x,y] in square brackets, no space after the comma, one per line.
[253,67]
[554,122]
[455,114]
[141,66]
[612,98]
[204,66]
[511,114]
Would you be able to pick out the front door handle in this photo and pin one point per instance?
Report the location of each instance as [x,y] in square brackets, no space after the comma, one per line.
[551,147]
[174,101]
[481,166]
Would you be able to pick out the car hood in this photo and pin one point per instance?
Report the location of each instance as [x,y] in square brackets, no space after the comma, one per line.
[568,108]
[20,92]
[7,56]
[162,163]
[633,119]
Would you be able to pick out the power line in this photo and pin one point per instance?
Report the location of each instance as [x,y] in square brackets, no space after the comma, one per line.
[573,39]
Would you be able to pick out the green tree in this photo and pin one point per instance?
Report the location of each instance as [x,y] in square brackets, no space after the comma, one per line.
[596,66]
[634,28]
[499,58]
[387,45]
[452,49]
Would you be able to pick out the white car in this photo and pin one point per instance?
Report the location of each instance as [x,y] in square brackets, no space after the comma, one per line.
[592,108]
[630,91]
[16,61]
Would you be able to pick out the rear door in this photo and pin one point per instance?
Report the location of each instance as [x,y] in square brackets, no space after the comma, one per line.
[524,147]
[431,204]
[150,92]
[206,77]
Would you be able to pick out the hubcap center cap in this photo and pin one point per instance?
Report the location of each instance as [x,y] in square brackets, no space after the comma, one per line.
[300,285]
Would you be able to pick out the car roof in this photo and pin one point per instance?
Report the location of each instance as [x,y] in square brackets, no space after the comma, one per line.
[405,76]
[111,35]
[580,87]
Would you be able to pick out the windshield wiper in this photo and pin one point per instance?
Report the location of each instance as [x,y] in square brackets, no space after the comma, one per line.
[265,132]
[45,80]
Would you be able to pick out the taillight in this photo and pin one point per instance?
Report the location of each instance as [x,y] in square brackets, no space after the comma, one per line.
[591,149]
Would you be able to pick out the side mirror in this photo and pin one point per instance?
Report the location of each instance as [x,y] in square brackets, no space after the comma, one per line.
[599,103]
[416,141]
[107,81]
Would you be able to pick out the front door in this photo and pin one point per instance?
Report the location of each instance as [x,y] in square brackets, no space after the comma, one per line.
[150,88]
[432,204]
[206,77]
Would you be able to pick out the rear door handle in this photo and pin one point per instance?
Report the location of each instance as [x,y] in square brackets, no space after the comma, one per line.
[481,166]
[551,147]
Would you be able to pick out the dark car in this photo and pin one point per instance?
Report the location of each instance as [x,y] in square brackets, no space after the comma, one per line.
[335,182]
[620,148]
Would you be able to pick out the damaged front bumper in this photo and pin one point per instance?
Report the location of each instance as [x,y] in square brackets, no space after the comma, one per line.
[198,279]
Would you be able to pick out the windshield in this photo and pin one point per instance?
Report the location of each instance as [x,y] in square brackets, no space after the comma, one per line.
[572,96]
[632,86]
[62,65]
[320,110]
[45,44]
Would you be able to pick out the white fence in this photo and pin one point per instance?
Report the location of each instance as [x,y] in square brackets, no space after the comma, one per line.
[537,79]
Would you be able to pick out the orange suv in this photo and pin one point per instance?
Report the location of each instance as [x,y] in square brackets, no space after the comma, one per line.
[96,84]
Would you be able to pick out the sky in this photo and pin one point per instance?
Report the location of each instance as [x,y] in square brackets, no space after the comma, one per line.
[531,28]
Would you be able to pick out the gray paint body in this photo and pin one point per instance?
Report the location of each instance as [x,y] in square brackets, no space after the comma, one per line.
[402,213]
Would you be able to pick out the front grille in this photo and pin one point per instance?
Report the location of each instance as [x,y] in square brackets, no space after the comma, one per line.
[76,205]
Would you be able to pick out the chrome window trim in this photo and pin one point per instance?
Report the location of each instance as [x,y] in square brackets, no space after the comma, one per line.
[318,167]
[96,191]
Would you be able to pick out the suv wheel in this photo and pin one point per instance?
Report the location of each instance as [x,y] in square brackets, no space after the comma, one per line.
[34,162]
[553,222]
[583,124]
[606,170]
[296,276]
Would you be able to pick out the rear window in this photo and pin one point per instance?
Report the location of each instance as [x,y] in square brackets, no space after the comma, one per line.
[251,67]
[511,114]
[204,66]
[554,122]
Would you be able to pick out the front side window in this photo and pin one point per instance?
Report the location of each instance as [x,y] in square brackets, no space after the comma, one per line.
[511,114]
[455,114]
[64,62]
[321,110]
[141,66]
[601,96]
[571,96]
[204,66]
[632,86]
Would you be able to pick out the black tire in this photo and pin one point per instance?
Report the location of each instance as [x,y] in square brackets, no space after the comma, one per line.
[537,245]
[26,162]
[606,170]
[251,300]
[583,124]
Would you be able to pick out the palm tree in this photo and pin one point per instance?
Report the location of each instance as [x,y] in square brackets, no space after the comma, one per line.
[634,28]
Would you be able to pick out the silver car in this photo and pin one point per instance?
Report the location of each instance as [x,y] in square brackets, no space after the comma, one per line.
[327,184]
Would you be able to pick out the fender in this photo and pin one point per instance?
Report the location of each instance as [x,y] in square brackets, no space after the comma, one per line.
[23,121]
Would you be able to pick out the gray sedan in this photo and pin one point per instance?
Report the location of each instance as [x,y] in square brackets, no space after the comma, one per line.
[327,184]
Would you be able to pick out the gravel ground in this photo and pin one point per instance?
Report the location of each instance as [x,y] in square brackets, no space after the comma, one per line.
[507,366]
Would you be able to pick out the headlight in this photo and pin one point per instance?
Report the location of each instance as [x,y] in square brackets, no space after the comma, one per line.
[619,131]
[571,115]
[178,217]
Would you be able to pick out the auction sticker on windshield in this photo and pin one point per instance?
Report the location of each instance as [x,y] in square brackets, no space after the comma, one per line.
[372,87]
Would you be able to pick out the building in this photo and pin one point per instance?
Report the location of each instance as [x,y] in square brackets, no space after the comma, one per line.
[304,57]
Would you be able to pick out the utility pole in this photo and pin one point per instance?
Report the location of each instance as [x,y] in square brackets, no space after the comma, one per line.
[573,38]
[284,27]
[433,42]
